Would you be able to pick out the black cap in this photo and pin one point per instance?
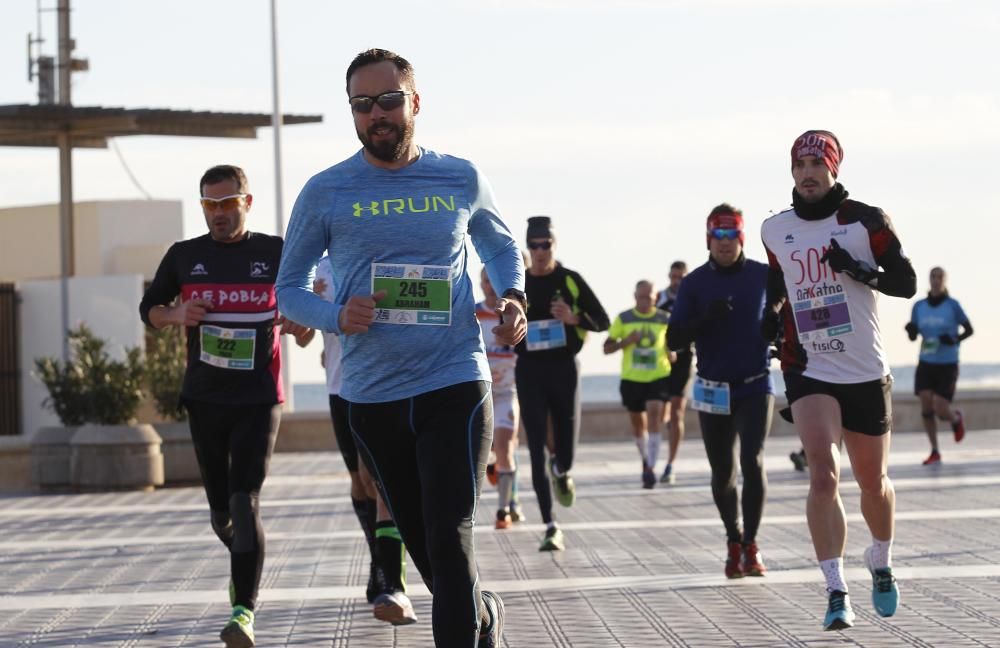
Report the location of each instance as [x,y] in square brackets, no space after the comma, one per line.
[540,227]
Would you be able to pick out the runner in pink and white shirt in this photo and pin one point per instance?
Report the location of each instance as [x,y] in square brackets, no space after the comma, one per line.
[829,256]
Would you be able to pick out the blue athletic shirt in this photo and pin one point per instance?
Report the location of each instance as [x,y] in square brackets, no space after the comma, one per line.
[731,350]
[935,321]
[420,214]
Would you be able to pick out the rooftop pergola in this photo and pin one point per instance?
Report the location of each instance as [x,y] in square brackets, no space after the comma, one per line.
[62,125]
[40,125]
[65,126]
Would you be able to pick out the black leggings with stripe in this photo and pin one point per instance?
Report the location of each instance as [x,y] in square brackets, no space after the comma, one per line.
[428,456]
[234,445]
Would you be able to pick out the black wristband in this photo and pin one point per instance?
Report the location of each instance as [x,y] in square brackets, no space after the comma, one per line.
[514,294]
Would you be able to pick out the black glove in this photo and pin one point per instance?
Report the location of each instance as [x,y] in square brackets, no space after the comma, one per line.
[911,330]
[770,325]
[947,340]
[840,260]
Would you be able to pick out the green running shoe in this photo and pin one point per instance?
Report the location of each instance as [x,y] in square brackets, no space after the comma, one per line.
[238,633]
[553,540]
[563,485]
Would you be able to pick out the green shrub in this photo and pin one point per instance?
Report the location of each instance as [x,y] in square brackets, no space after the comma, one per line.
[91,387]
[166,361]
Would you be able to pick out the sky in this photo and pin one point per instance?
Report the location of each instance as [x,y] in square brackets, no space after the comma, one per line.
[625,121]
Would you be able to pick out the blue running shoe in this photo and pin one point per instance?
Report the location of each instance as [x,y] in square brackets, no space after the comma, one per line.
[839,614]
[885,593]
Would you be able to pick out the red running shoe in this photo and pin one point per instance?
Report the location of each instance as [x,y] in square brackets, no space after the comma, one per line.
[752,563]
[934,458]
[958,426]
[733,568]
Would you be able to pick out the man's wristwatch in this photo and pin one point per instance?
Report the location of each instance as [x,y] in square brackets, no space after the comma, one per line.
[517,295]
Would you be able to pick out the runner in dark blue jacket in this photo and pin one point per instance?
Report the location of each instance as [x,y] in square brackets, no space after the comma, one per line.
[719,308]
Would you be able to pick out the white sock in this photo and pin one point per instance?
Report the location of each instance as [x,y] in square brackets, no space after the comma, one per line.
[654,447]
[551,525]
[880,553]
[505,486]
[833,571]
[641,442]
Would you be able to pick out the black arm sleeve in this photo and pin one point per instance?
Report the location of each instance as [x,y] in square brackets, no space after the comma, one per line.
[897,277]
[165,286]
[775,291]
[592,315]
[966,330]
[680,337]
[683,328]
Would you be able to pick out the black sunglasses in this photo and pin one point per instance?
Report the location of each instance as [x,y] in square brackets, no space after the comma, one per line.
[386,101]
[544,245]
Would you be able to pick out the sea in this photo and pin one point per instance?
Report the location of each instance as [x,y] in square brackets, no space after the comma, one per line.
[603,388]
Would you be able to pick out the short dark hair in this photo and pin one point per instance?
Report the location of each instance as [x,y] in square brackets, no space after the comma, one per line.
[376,55]
[679,265]
[724,208]
[939,269]
[643,282]
[222,172]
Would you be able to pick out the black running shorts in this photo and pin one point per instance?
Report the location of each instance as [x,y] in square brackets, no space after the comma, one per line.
[864,407]
[938,378]
[635,394]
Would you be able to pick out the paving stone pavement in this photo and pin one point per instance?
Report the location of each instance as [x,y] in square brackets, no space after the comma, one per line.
[642,568]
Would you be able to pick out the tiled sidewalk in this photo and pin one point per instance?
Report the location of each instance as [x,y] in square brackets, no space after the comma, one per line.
[642,568]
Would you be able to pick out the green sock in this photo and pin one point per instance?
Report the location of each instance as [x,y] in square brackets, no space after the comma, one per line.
[391,554]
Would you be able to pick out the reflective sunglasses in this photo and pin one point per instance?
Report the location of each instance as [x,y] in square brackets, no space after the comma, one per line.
[226,202]
[719,233]
[386,101]
[544,245]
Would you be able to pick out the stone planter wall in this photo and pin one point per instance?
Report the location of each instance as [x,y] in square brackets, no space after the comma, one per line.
[15,465]
[116,457]
[180,463]
[50,457]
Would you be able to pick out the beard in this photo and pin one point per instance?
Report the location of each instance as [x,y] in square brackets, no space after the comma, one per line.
[391,148]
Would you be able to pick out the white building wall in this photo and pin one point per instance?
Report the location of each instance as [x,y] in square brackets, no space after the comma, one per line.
[109,305]
[104,233]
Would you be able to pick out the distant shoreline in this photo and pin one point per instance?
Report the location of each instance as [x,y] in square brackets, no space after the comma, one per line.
[603,388]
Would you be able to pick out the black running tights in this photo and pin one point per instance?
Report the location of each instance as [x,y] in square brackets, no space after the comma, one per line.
[549,387]
[428,456]
[234,444]
[750,421]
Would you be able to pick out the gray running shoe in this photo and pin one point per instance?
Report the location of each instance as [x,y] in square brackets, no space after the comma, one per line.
[491,635]
[394,608]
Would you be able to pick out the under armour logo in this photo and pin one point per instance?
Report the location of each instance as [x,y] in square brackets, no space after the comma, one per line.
[359,210]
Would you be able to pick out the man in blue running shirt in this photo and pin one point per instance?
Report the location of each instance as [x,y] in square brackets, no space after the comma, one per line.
[394,218]
[936,320]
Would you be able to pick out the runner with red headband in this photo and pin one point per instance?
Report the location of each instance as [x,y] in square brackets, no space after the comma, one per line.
[825,255]
[719,308]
